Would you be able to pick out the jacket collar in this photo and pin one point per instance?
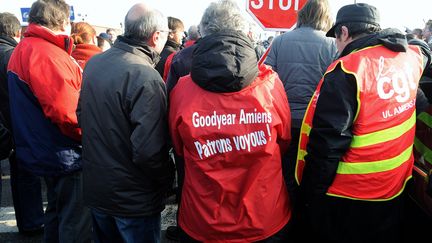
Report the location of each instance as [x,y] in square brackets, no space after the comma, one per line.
[8,41]
[139,48]
[392,39]
[38,31]
[172,44]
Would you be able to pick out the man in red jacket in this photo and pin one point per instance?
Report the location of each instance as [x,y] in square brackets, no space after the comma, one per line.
[230,121]
[44,85]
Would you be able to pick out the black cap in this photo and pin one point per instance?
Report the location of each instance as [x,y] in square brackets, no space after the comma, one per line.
[359,12]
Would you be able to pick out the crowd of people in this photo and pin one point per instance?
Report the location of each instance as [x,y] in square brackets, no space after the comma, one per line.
[313,144]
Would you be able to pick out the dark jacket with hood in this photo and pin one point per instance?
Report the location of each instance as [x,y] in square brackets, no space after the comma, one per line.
[123,114]
[170,47]
[7,45]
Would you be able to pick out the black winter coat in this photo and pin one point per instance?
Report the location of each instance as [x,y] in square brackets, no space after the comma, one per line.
[123,115]
[7,45]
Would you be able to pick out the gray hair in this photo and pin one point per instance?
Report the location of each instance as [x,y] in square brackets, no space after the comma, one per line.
[49,13]
[222,15]
[9,25]
[141,23]
[193,33]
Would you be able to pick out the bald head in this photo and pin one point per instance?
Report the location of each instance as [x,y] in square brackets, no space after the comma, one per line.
[142,21]
[137,11]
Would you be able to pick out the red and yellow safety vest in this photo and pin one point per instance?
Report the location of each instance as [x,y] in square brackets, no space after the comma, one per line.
[380,158]
[423,139]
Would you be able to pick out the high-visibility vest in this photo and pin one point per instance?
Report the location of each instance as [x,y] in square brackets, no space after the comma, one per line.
[380,158]
[423,138]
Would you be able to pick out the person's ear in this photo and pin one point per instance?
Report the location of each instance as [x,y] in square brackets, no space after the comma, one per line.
[66,26]
[154,38]
[171,34]
[18,34]
[344,34]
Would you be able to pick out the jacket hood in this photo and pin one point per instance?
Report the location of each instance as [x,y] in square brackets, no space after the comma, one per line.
[38,31]
[138,47]
[224,62]
[392,39]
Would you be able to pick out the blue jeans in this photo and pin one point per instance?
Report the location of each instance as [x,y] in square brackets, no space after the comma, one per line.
[107,228]
[27,197]
[66,217]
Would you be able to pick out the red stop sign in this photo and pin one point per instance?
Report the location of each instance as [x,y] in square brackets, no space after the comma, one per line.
[278,15]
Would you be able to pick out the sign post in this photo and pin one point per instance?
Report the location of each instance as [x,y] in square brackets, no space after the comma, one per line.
[275,15]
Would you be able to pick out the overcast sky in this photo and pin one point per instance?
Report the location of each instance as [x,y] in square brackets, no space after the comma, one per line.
[399,14]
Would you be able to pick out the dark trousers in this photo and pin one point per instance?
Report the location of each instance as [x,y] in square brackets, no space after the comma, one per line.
[339,220]
[66,217]
[27,197]
[282,236]
[113,229]
[289,160]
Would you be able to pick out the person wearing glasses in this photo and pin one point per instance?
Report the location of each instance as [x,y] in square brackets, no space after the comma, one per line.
[173,44]
[123,115]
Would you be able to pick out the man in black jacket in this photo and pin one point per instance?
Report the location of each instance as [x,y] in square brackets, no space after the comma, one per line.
[123,115]
[359,131]
[26,188]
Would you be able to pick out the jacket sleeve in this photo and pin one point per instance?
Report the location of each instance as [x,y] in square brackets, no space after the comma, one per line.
[331,134]
[149,137]
[284,129]
[174,122]
[173,76]
[271,58]
[56,86]
[167,66]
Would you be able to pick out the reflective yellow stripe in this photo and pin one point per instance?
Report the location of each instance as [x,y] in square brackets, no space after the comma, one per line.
[375,199]
[426,118]
[301,154]
[374,166]
[305,128]
[423,150]
[384,135]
